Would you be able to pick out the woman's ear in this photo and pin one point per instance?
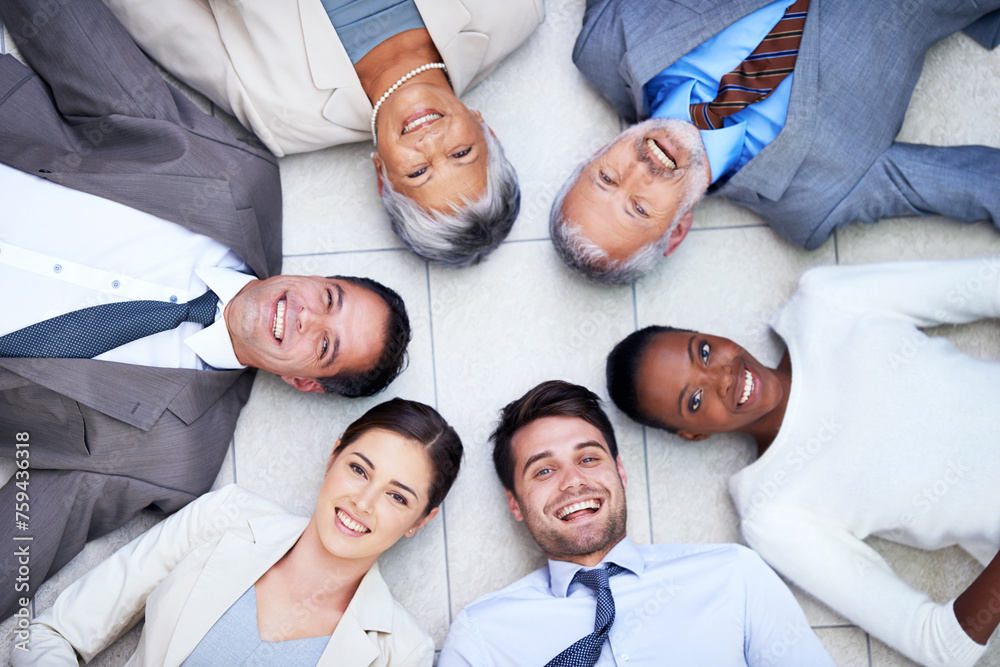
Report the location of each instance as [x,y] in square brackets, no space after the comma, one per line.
[688,435]
[423,521]
[333,455]
[377,161]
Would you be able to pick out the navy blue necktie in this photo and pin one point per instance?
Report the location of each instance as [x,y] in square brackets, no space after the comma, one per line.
[586,651]
[86,333]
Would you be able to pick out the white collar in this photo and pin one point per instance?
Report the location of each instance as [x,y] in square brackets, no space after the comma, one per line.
[213,344]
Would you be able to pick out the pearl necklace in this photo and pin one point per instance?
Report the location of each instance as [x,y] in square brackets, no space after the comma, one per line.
[403,79]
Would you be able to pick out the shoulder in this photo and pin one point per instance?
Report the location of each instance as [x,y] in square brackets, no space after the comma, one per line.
[526,590]
[657,556]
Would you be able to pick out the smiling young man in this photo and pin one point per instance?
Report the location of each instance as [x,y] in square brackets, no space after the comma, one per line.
[761,86]
[556,454]
[866,427]
[145,242]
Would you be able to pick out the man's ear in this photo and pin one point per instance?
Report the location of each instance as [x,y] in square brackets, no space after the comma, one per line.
[621,471]
[304,384]
[515,507]
[423,521]
[688,435]
[377,161]
[679,233]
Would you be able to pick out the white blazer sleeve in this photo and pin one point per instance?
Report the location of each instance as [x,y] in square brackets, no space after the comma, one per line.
[828,561]
[90,614]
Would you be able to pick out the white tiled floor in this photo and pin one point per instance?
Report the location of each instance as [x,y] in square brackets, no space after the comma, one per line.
[484,335]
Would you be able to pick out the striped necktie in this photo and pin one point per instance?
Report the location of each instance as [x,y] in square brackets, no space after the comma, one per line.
[585,652]
[89,332]
[758,75]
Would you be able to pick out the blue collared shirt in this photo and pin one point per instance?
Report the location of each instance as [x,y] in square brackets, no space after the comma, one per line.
[695,78]
[696,604]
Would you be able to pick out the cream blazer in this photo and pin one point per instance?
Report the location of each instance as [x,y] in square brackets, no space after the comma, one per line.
[187,571]
[279,67]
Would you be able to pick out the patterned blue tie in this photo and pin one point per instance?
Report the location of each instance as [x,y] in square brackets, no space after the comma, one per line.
[86,333]
[586,651]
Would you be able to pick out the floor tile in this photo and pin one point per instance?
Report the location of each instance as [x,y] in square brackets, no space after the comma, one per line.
[499,329]
[847,646]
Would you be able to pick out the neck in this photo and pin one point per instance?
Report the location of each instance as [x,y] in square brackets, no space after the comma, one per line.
[317,574]
[765,429]
[395,57]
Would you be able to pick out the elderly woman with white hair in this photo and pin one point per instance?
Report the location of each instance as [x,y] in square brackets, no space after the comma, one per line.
[320,73]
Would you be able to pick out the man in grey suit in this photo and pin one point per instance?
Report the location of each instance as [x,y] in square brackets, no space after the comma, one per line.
[102,166]
[816,152]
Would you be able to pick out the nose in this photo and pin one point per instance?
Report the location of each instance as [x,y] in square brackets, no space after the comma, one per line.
[571,476]
[364,499]
[637,174]
[721,376]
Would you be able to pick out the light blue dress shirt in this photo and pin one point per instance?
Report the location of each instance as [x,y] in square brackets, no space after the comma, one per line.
[695,78]
[362,25]
[701,605]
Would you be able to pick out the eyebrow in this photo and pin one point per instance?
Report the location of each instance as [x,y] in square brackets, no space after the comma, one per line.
[680,399]
[336,341]
[394,482]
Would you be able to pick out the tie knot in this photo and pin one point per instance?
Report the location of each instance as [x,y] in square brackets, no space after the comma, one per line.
[202,309]
[598,578]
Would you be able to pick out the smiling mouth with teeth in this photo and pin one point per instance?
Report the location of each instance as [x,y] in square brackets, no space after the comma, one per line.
[351,523]
[571,511]
[429,118]
[658,153]
[747,387]
[279,320]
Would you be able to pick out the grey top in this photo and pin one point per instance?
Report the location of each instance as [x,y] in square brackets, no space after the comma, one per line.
[234,640]
[364,24]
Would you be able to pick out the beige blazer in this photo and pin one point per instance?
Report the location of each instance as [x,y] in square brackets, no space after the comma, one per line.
[186,571]
[279,67]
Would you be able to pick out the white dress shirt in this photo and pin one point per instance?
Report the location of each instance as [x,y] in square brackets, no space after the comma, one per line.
[677,604]
[62,250]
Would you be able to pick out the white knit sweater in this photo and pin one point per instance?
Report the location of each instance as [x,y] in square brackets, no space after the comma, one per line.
[888,432]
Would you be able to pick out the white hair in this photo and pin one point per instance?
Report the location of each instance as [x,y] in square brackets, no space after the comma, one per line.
[472,229]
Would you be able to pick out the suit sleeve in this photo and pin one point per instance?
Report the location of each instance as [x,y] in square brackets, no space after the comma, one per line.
[94,611]
[958,182]
[829,562]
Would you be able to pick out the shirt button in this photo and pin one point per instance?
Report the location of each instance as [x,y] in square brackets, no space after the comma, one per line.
[625,657]
[57,268]
[173,298]
[115,284]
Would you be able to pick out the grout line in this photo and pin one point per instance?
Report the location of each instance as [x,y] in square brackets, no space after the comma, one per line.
[838,626]
[444,513]
[342,252]
[868,641]
[645,447]
[836,248]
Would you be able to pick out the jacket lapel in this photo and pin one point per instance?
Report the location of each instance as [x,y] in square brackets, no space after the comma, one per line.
[136,395]
[370,610]
[238,561]
[463,52]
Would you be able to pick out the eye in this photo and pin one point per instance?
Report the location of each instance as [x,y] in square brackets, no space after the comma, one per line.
[541,472]
[703,351]
[329,299]
[358,470]
[325,347]
[695,401]
[639,209]
[606,178]
[399,498]
[462,153]
[589,459]
[418,172]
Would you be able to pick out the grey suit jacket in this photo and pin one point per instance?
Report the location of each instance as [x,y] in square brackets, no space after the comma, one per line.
[836,160]
[108,439]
